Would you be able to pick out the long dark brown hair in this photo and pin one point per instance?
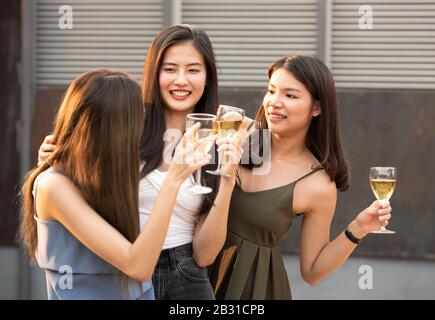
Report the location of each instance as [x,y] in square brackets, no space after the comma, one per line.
[323,137]
[152,144]
[97,132]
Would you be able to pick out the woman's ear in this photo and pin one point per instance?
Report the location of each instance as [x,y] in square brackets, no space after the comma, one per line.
[316,109]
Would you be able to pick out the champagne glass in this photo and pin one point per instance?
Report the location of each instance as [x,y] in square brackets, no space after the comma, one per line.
[207,128]
[229,121]
[383,182]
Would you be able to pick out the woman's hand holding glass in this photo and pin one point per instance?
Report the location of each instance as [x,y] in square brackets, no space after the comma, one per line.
[229,122]
[187,158]
[371,219]
[230,151]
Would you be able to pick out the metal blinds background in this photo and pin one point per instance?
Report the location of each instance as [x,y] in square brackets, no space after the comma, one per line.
[247,35]
[399,52]
[110,33]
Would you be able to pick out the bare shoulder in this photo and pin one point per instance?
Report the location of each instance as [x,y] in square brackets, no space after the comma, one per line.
[52,189]
[49,182]
[315,190]
[319,184]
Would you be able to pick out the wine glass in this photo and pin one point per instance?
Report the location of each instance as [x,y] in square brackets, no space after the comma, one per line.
[207,128]
[383,182]
[229,121]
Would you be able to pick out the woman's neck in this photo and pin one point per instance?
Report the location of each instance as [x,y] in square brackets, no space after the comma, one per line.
[287,147]
[176,120]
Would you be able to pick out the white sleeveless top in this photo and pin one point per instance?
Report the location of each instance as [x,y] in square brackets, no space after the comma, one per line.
[185,215]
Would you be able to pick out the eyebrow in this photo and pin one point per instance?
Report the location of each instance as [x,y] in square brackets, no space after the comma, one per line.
[286,89]
[174,64]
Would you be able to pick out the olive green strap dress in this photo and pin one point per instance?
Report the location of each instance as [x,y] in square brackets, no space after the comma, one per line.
[250,265]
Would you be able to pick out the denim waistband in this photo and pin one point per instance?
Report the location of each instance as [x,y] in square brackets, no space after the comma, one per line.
[174,254]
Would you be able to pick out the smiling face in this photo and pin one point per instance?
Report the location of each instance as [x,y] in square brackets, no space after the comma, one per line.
[182,77]
[288,105]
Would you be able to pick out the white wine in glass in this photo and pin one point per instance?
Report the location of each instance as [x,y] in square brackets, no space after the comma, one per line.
[229,121]
[207,128]
[383,183]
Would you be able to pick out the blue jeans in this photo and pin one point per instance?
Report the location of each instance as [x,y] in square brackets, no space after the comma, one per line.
[178,277]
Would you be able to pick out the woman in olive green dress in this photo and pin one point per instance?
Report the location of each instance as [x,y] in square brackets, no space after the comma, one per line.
[306,167]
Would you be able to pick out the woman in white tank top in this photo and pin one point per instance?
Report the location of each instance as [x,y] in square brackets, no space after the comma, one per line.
[181,62]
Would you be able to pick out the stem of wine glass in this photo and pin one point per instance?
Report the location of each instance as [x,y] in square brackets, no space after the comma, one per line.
[198,177]
[219,163]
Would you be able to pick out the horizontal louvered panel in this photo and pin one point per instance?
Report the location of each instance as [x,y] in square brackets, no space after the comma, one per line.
[92,51]
[241,65]
[191,7]
[241,21]
[57,34]
[381,2]
[384,85]
[252,53]
[43,70]
[266,13]
[390,20]
[379,59]
[93,44]
[390,72]
[89,57]
[109,34]
[399,52]
[248,36]
[397,66]
[295,40]
[385,46]
[61,75]
[78,40]
[87,64]
[262,46]
[391,79]
[372,40]
[377,32]
[263,59]
[392,13]
[388,53]
[97,13]
[95,2]
[256,34]
[247,29]
[120,6]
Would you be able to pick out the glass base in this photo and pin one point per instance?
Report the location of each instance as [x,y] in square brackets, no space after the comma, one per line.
[197,189]
[218,173]
[384,231]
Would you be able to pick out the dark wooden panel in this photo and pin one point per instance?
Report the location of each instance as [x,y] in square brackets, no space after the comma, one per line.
[46,104]
[10,55]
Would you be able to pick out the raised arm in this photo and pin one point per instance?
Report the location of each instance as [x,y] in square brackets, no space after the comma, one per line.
[211,230]
[318,256]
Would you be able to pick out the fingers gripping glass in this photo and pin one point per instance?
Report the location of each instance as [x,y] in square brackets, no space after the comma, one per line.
[383,182]
[229,121]
[207,128]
